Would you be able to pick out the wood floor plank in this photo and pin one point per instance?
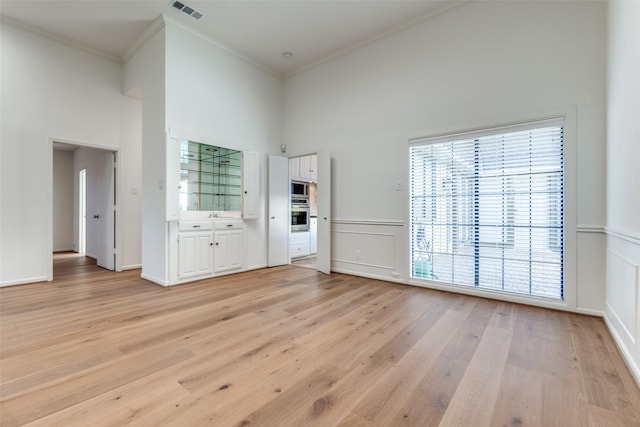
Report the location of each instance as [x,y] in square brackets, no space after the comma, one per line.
[50,398]
[384,400]
[437,387]
[519,405]
[291,346]
[476,396]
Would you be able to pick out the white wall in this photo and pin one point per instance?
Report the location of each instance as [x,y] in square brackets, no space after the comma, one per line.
[481,64]
[63,200]
[52,91]
[215,97]
[623,179]
[145,72]
[192,88]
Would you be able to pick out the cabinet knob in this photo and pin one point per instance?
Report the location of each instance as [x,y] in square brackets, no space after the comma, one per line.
[211,244]
[245,192]
[217,243]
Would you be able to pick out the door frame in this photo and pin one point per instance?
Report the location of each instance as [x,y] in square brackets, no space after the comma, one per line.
[326,209]
[82,211]
[49,202]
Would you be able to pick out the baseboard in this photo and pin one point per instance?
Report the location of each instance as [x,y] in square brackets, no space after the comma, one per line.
[626,356]
[131,267]
[26,281]
[154,280]
[368,275]
[256,267]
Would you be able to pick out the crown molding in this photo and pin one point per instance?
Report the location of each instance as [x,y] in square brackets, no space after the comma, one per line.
[453,4]
[227,49]
[156,25]
[57,38]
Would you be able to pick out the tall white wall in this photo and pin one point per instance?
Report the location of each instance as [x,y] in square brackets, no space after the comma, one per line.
[145,73]
[192,88]
[53,91]
[623,179]
[215,97]
[63,200]
[481,64]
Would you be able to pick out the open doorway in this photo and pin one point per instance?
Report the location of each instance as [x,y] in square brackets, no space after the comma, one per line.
[304,210]
[91,210]
[310,195]
[290,225]
[82,211]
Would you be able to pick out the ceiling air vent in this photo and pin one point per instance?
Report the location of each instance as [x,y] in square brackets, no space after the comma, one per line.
[187,9]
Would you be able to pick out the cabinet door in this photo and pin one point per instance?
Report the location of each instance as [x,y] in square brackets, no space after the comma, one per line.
[250,185]
[220,251]
[305,167]
[294,168]
[228,250]
[234,249]
[195,254]
[313,167]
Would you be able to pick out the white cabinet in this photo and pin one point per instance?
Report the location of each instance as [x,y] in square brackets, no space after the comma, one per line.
[250,185]
[313,236]
[299,244]
[228,245]
[195,249]
[294,168]
[304,168]
[313,167]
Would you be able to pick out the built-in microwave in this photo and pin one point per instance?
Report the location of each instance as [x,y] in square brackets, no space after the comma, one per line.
[299,189]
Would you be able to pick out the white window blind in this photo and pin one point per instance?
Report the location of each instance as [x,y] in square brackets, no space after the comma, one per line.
[487,209]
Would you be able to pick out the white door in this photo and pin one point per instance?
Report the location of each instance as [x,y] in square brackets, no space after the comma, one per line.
[324,212]
[100,209]
[279,215]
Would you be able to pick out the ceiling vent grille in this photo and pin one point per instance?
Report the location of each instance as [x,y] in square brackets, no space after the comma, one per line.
[187,10]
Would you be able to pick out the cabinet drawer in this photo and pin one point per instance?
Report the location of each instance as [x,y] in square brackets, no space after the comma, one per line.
[299,250]
[228,224]
[195,225]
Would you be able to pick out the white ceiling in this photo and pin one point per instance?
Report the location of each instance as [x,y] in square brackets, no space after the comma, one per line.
[259,30]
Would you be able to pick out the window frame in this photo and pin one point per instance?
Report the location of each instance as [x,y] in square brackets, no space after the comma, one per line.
[452,133]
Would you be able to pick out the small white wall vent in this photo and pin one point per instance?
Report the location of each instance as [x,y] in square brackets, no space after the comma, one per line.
[187,9]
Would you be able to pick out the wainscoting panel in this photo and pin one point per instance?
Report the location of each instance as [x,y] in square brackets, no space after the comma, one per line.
[591,246]
[369,248]
[622,292]
[623,295]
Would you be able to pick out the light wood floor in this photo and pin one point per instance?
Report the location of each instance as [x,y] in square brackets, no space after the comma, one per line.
[288,346]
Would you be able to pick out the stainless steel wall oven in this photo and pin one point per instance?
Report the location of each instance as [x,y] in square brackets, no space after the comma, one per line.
[299,217]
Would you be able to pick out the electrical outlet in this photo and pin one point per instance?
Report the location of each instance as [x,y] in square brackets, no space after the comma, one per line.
[358,255]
